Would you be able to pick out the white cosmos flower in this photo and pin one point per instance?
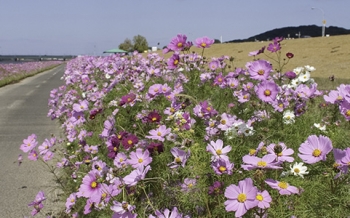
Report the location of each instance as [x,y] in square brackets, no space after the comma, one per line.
[310,68]
[298,70]
[304,77]
[288,117]
[298,169]
[294,83]
[319,126]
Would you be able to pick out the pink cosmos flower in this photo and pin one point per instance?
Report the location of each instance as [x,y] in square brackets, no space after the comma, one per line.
[159,134]
[264,199]
[267,91]
[259,70]
[136,175]
[203,42]
[120,161]
[283,152]
[173,61]
[81,106]
[37,203]
[241,198]
[315,149]
[122,208]
[167,214]
[90,187]
[180,157]
[70,202]
[283,187]
[139,158]
[253,162]
[188,184]
[178,43]
[222,166]
[29,143]
[217,149]
[33,155]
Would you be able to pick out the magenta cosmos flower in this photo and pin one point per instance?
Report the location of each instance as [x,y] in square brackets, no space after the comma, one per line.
[259,70]
[315,149]
[90,187]
[283,187]
[241,198]
[178,43]
[203,42]
[267,91]
[173,61]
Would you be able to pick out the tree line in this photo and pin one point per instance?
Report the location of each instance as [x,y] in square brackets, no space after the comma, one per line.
[139,43]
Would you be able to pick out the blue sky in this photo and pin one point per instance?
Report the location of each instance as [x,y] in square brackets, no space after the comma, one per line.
[88,27]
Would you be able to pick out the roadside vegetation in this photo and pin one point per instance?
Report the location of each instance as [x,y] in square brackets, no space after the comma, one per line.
[196,135]
[14,72]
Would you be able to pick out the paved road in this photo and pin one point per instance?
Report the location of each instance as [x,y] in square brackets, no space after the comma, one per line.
[23,111]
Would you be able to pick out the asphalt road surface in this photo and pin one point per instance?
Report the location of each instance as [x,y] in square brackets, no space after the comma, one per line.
[23,111]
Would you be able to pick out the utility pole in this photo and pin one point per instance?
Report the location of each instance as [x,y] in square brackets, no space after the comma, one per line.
[323,21]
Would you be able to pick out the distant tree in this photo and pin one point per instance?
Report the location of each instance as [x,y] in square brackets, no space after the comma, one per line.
[140,43]
[217,41]
[126,45]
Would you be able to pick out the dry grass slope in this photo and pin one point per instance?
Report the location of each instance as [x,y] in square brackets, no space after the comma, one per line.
[329,55]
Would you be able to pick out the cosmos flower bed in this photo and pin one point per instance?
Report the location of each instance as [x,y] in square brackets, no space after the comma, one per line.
[189,136]
[25,68]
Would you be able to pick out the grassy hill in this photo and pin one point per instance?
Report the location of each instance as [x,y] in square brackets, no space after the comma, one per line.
[329,55]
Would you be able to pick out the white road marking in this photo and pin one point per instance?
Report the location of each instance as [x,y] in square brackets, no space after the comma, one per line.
[29,93]
[16,103]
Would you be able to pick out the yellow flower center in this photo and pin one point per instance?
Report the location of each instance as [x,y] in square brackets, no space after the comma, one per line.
[279,154]
[296,170]
[252,151]
[220,80]
[129,142]
[267,92]
[156,90]
[282,185]
[72,200]
[222,168]
[172,110]
[159,134]
[104,195]
[121,160]
[129,99]
[208,108]
[178,160]
[218,152]
[93,184]
[316,153]
[262,163]
[140,160]
[245,96]
[154,119]
[259,197]
[179,45]
[203,44]
[280,105]
[190,185]
[261,72]
[223,122]
[176,62]
[115,149]
[242,198]
[347,113]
